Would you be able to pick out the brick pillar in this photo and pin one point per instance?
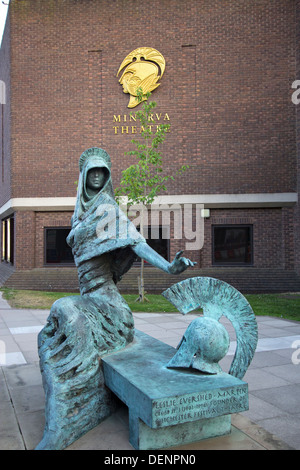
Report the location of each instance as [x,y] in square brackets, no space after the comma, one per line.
[25,239]
[297,209]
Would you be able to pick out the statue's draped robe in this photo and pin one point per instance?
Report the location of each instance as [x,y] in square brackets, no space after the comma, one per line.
[81,329]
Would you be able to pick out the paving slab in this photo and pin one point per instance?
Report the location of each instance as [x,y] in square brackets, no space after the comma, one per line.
[272,421]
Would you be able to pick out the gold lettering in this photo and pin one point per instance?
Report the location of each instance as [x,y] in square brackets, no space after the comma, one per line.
[148,128]
[154,120]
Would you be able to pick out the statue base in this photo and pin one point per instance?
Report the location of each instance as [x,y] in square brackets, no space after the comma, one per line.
[169,407]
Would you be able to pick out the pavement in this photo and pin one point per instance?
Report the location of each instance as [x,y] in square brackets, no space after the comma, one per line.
[272,422]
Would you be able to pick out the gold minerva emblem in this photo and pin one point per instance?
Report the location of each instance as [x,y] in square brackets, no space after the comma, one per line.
[144,67]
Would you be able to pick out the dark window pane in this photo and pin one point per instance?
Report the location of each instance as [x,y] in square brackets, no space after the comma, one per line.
[159,240]
[12,239]
[57,249]
[232,245]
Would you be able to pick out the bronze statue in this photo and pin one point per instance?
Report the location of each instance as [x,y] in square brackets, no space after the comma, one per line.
[81,329]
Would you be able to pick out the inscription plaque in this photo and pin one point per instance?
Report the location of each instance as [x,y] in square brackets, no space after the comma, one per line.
[195,406]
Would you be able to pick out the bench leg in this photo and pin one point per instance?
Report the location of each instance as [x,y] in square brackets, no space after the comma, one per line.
[143,437]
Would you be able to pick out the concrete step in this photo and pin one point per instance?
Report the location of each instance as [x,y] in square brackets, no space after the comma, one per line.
[65,279]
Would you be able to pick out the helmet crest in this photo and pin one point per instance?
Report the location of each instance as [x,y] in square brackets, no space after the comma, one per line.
[216,298]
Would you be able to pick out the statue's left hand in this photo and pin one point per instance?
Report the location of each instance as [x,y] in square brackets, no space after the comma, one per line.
[180,264]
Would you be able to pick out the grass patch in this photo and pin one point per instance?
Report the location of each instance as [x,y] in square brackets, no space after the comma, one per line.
[157,303]
[276,305]
[285,306]
[31,299]
[43,300]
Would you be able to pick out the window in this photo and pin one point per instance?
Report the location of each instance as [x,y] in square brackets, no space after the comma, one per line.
[57,251]
[7,236]
[232,245]
[158,238]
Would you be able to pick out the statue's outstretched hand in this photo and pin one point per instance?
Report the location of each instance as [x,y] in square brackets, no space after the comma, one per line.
[180,264]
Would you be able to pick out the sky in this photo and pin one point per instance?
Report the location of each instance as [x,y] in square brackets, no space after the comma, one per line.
[3,12]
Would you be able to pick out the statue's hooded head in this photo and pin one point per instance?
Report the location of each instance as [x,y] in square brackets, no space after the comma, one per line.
[90,239]
[144,67]
[91,159]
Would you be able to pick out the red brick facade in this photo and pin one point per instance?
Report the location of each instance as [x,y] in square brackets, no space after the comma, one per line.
[226,92]
[30,227]
[297,209]
[5,126]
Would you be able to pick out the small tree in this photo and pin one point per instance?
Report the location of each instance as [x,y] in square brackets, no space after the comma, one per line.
[144,180]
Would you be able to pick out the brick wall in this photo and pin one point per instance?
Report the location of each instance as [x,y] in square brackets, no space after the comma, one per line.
[5,124]
[272,247]
[273,237]
[25,225]
[47,219]
[226,89]
[29,235]
[269,246]
[297,209]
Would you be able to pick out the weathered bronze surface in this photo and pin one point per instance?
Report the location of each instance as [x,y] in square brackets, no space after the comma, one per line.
[82,329]
[206,341]
[170,406]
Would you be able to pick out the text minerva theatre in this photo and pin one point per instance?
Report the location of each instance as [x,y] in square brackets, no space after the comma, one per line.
[129,124]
